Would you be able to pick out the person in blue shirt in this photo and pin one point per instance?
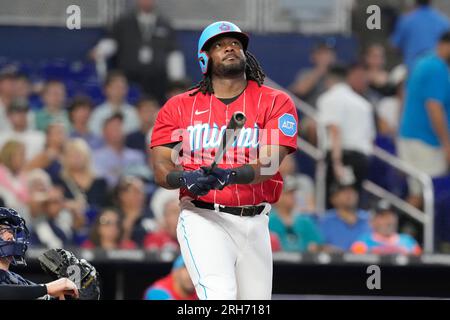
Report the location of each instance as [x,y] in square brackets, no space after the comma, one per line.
[177,285]
[424,140]
[345,223]
[384,238]
[296,232]
[418,32]
[115,159]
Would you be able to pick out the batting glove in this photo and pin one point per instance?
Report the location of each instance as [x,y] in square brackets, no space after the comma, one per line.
[219,178]
[191,181]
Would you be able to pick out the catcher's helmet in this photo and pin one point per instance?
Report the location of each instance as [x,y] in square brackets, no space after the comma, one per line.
[15,248]
[213,30]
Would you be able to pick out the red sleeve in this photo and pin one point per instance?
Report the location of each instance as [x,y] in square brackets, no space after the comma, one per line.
[281,126]
[167,125]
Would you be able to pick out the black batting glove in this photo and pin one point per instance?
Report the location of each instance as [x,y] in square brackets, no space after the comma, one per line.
[192,181]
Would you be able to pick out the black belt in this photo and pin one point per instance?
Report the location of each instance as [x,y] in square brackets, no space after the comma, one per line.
[248,211]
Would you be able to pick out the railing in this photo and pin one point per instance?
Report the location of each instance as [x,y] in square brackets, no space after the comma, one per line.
[425,217]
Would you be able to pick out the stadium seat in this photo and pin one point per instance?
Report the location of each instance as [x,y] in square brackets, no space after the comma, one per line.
[442,208]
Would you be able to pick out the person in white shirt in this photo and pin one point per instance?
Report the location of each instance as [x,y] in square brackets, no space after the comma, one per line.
[350,125]
[34,140]
[116,90]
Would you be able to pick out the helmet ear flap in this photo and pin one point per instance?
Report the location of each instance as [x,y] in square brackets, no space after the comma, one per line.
[203,60]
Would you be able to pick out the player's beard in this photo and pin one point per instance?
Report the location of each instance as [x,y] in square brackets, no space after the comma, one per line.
[233,70]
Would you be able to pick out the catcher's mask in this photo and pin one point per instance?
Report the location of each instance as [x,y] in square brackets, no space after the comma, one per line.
[15,248]
[212,31]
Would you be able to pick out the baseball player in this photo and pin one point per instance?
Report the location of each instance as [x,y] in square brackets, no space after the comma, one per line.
[13,245]
[14,237]
[223,225]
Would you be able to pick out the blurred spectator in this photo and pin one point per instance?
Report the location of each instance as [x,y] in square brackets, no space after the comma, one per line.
[358,79]
[39,185]
[116,91]
[50,158]
[424,139]
[349,120]
[107,232]
[131,203]
[344,224]
[80,109]
[418,32]
[140,140]
[54,98]
[55,227]
[146,49]
[310,83]
[296,232]
[77,178]
[23,89]
[384,238]
[175,286]
[166,210]
[177,87]
[22,92]
[7,94]
[389,108]
[374,61]
[33,140]
[13,178]
[114,158]
[305,193]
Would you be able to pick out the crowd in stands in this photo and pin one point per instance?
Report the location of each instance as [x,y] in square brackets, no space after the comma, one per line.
[405,111]
[80,173]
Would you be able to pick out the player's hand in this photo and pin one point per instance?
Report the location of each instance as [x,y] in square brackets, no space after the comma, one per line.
[218,178]
[62,287]
[191,181]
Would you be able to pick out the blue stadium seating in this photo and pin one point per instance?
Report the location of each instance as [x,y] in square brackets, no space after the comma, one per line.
[442,208]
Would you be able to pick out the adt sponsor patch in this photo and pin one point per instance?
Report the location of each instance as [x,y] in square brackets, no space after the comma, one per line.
[287,124]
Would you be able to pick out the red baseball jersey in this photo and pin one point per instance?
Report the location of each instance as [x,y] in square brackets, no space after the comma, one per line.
[199,122]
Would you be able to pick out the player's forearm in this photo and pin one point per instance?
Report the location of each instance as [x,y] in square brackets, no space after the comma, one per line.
[263,171]
[165,172]
[16,292]
[163,165]
[439,122]
[268,163]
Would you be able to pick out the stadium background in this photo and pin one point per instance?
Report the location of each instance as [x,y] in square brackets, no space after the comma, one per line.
[37,43]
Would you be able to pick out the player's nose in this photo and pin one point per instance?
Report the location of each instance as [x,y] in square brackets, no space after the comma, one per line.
[8,236]
[229,48]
